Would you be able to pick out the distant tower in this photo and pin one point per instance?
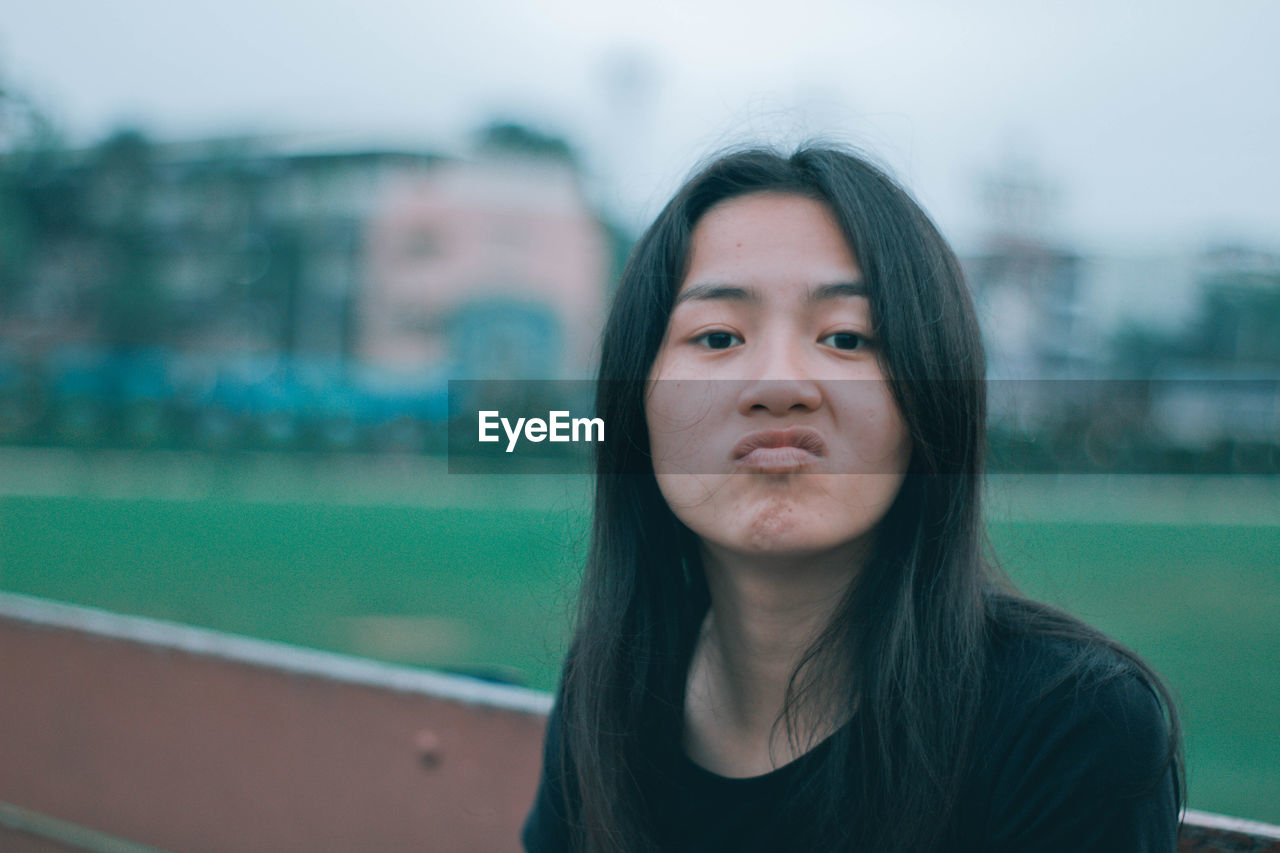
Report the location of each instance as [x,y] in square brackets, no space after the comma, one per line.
[628,81]
[1028,294]
[1019,203]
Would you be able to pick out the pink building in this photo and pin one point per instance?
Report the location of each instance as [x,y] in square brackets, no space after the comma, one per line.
[494,268]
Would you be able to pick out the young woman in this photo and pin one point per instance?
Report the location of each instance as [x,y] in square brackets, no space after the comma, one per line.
[789,637]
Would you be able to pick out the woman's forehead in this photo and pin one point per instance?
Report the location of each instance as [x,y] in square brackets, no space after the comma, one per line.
[764,242]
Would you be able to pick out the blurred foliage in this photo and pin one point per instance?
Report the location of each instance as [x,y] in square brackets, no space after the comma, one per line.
[1240,319]
[133,309]
[1236,323]
[28,139]
[505,136]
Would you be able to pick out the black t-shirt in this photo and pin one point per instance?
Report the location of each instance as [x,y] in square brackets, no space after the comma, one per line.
[1068,760]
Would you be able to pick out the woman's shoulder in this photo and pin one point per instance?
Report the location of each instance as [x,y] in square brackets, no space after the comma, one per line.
[1071,679]
[1075,743]
[1034,648]
[1035,658]
[1051,670]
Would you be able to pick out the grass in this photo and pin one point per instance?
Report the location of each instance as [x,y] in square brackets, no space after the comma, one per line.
[490,590]
[320,576]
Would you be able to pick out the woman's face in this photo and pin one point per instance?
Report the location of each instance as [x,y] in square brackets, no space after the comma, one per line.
[772,428]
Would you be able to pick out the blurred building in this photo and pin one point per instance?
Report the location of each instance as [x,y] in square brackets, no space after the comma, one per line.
[263,279]
[1029,298]
[1028,288]
[1029,294]
[399,259]
[496,267]
[219,246]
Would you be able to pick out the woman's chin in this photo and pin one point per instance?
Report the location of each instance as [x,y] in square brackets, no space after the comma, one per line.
[783,517]
[788,530]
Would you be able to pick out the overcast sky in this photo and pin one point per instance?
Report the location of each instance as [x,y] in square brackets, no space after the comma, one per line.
[1157,123]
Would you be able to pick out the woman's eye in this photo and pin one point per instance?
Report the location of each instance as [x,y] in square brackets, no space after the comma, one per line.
[845,341]
[718,340]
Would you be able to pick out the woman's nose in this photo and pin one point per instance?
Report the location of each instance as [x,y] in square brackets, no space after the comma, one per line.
[780,382]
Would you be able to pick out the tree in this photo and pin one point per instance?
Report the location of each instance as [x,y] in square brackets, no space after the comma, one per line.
[28,140]
[504,136]
[133,309]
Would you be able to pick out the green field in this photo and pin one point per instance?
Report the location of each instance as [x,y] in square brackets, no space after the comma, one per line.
[486,586]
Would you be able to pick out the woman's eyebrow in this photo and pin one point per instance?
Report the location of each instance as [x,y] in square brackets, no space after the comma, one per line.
[738,293]
[730,292]
[839,290]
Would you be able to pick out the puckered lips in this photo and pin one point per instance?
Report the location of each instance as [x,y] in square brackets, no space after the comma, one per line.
[778,451]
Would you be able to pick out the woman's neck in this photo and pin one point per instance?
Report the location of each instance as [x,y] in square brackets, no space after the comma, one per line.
[766,612]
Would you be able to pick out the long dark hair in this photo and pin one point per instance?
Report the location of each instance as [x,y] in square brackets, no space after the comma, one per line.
[909,642]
